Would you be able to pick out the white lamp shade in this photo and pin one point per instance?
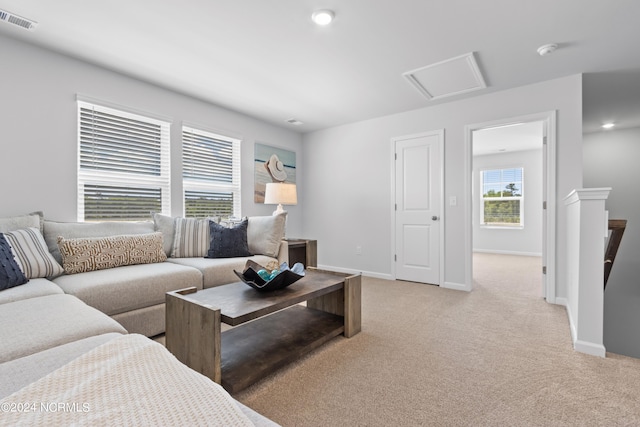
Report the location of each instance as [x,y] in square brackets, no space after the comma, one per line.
[279,193]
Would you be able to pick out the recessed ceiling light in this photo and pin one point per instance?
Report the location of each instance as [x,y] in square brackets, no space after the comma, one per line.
[547,49]
[295,122]
[608,125]
[322,17]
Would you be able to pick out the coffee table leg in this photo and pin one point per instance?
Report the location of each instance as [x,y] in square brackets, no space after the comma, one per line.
[343,302]
[352,305]
[193,333]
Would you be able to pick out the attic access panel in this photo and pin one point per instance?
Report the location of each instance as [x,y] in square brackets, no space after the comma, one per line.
[451,77]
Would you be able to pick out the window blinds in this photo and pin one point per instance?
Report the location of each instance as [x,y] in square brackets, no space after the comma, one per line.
[123,164]
[211,174]
[206,158]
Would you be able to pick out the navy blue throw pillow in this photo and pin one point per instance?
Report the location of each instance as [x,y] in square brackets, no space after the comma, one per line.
[228,242]
[10,273]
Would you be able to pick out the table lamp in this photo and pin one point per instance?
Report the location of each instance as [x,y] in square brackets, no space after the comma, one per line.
[280,193]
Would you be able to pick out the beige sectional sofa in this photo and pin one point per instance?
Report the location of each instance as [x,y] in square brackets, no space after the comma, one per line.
[56,322]
[134,294]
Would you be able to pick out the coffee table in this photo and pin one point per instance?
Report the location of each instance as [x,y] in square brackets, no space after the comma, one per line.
[271,329]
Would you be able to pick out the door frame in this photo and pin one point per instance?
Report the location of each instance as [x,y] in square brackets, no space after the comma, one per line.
[549,195]
[440,134]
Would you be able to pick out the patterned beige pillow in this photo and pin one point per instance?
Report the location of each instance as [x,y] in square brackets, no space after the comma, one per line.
[91,253]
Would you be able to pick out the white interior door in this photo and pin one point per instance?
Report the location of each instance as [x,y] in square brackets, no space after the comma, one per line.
[418,193]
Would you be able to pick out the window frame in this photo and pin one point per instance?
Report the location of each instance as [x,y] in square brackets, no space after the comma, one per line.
[212,186]
[122,179]
[503,184]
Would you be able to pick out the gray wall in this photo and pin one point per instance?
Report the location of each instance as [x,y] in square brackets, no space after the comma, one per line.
[611,160]
[347,197]
[38,141]
[514,241]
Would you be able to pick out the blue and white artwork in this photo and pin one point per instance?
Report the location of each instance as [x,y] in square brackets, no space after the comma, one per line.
[272,164]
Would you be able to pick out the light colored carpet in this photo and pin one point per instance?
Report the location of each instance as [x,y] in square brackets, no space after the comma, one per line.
[499,355]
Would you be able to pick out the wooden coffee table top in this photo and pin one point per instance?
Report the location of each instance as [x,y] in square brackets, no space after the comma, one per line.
[240,303]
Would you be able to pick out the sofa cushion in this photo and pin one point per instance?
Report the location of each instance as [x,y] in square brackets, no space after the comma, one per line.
[228,242]
[37,324]
[127,288]
[148,321]
[191,238]
[72,230]
[32,289]
[10,273]
[219,271]
[31,253]
[23,371]
[264,234]
[20,222]
[99,253]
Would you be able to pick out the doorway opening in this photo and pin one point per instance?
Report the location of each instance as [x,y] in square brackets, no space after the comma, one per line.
[511,209]
[507,207]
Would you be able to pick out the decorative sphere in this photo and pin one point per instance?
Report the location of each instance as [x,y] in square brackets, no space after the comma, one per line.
[264,274]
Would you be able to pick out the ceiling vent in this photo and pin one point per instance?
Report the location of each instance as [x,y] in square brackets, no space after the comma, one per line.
[10,18]
[454,76]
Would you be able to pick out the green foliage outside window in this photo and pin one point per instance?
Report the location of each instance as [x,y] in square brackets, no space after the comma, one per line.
[502,196]
[502,212]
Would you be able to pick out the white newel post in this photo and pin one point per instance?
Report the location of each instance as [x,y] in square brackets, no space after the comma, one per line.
[587,232]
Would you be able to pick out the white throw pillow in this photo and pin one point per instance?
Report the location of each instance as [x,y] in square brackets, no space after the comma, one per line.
[167,226]
[265,233]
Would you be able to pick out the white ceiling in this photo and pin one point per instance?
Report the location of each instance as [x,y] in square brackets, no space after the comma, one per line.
[267,59]
[503,139]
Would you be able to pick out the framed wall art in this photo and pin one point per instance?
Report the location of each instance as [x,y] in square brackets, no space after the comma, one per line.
[272,164]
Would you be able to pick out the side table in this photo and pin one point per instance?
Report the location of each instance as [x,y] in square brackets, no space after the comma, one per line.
[304,251]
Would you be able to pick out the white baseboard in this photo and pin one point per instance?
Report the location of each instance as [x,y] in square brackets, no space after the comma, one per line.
[561,301]
[499,252]
[590,348]
[456,286]
[572,325]
[579,345]
[373,274]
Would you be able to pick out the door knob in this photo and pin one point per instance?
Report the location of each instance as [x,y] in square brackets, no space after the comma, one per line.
[434,218]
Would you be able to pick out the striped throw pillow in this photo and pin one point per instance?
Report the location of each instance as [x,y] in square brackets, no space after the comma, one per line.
[191,238]
[31,253]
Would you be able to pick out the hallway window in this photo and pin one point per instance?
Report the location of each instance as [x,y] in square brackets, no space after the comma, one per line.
[502,197]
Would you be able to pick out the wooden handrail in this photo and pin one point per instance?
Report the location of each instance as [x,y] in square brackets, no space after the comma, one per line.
[617,227]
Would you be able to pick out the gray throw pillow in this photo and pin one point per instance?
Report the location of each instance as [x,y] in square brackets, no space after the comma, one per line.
[228,242]
[20,222]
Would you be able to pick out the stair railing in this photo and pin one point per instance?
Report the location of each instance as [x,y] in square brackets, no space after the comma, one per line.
[616,226]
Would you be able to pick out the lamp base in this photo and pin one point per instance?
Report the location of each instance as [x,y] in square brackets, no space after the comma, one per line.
[278,210]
